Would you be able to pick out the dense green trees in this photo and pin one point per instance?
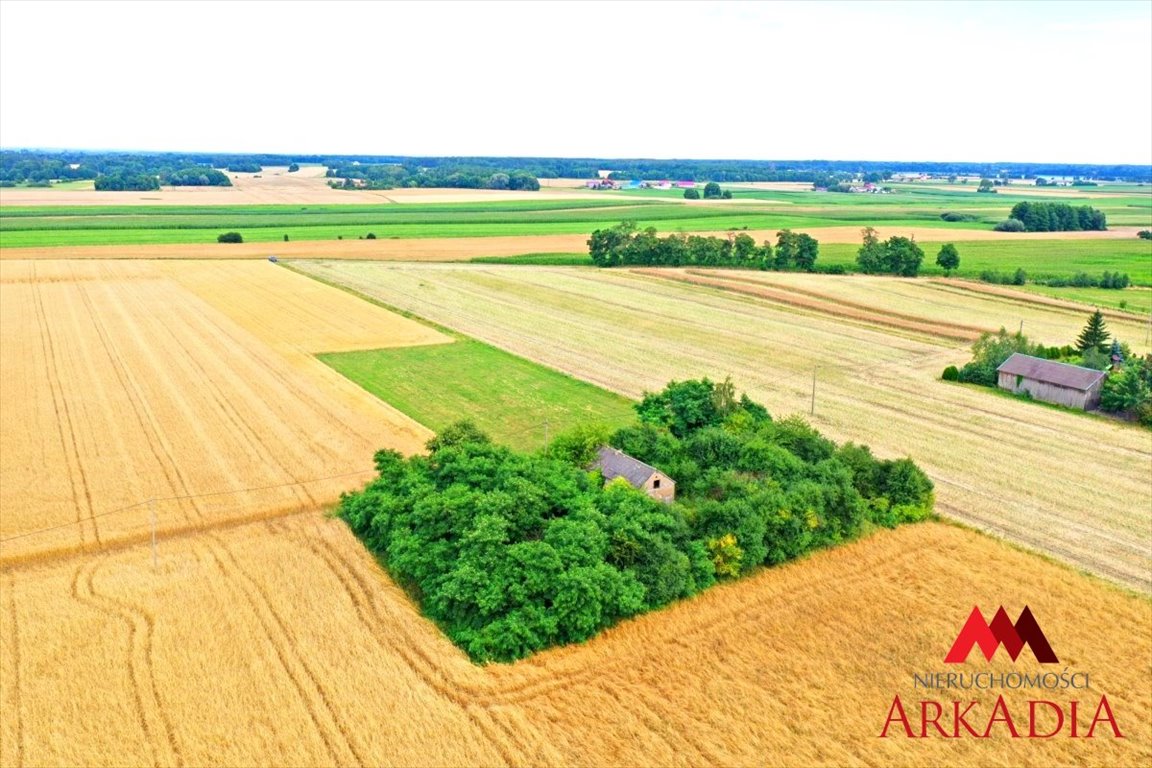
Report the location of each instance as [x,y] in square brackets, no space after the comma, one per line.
[691,194]
[1057,217]
[712,191]
[445,174]
[895,256]
[44,165]
[124,181]
[623,245]
[244,166]
[513,553]
[199,176]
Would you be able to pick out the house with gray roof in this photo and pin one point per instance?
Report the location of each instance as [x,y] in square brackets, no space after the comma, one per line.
[1073,386]
[613,463]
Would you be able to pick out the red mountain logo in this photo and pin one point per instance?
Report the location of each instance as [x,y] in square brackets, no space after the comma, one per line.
[1001,631]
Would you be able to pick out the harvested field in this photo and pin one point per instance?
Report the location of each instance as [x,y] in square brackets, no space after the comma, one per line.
[283,643]
[1074,486]
[924,305]
[137,381]
[273,185]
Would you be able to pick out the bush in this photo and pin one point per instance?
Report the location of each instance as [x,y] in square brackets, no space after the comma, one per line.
[691,194]
[951,373]
[1145,234]
[1010,225]
[954,216]
[370,236]
[232,237]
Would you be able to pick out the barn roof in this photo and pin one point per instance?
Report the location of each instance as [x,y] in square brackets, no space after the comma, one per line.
[1051,372]
[613,463]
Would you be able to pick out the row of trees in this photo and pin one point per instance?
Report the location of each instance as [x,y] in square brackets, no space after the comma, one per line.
[624,245]
[43,165]
[1058,217]
[391,176]
[1127,390]
[200,176]
[512,553]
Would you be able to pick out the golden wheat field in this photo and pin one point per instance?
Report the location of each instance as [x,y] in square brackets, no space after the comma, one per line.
[282,642]
[129,381]
[1075,486]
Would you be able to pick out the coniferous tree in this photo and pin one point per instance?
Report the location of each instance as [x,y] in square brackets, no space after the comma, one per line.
[1095,334]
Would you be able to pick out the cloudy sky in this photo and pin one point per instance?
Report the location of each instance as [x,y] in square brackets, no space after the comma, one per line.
[980,81]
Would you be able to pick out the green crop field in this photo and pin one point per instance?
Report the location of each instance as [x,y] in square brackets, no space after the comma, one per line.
[516,401]
[1038,258]
[761,209]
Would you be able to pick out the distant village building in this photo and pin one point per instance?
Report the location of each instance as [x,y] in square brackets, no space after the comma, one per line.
[613,463]
[1070,385]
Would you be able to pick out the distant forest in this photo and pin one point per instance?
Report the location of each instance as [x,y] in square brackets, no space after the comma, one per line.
[43,166]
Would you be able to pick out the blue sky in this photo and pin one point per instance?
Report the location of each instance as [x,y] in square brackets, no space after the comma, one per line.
[1032,81]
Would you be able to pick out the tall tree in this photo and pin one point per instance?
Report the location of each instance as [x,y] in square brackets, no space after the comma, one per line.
[870,257]
[949,258]
[1095,334]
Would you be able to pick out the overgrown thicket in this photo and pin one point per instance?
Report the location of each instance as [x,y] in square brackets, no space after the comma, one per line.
[624,245]
[1057,217]
[512,553]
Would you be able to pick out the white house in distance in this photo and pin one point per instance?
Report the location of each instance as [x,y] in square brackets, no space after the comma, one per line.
[613,463]
[1071,385]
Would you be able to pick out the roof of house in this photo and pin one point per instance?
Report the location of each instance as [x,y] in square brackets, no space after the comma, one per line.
[1051,372]
[613,463]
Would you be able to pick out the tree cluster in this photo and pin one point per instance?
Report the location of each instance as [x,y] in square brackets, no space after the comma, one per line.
[513,553]
[895,256]
[120,182]
[624,245]
[460,176]
[200,176]
[1057,217]
[244,166]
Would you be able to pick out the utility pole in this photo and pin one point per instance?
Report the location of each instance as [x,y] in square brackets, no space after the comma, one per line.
[152,514]
[812,412]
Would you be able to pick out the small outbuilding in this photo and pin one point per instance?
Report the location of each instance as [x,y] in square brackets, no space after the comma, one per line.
[1073,386]
[613,463]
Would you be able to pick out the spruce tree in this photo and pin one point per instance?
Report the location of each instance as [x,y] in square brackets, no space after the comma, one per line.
[1095,335]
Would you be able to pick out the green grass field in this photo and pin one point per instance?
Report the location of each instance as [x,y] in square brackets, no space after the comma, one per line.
[1039,258]
[517,402]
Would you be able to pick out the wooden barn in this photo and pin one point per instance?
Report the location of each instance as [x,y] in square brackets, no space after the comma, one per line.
[1052,382]
[613,463]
